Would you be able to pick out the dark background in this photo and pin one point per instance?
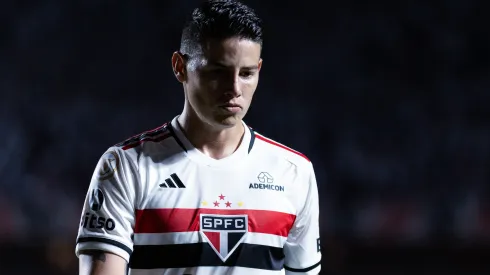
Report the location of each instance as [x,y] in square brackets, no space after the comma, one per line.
[389,99]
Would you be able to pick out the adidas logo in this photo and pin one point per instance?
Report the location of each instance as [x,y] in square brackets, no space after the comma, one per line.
[172,182]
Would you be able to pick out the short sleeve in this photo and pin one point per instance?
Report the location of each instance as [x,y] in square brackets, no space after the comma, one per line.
[108,214]
[302,248]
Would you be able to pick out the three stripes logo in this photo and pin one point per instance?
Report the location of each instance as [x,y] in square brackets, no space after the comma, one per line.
[172,182]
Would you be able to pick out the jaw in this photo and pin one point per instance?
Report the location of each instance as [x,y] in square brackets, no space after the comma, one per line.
[229,122]
[226,120]
[213,121]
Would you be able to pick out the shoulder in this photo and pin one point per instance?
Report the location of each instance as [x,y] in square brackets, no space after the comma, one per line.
[129,154]
[278,150]
[158,134]
[159,141]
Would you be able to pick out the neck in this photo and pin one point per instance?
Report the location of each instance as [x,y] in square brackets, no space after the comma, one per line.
[215,143]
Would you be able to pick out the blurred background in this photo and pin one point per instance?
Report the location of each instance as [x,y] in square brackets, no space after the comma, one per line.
[389,99]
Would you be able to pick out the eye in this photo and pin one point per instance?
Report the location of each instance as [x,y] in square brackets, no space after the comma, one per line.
[247,74]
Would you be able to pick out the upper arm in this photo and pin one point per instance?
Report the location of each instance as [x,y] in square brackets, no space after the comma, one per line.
[108,215]
[302,248]
[96,262]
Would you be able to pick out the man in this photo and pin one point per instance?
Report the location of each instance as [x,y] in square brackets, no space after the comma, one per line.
[204,193]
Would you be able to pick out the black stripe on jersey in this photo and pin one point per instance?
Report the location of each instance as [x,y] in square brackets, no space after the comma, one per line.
[138,137]
[104,240]
[172,132]
[177,180]
[170,183]
[201,254]
[302,269]
[252,139]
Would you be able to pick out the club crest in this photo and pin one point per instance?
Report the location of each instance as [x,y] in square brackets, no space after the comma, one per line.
[223,232]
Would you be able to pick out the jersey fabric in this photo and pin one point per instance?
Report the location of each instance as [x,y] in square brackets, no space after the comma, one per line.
[167,208]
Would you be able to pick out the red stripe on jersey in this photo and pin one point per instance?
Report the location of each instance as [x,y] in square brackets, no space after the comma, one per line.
[280,146]
[167,220]
[163,126]
[153,139]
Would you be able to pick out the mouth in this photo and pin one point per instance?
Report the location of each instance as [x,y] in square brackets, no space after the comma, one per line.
[231,107]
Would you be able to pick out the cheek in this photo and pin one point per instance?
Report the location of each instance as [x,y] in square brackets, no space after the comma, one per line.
[209,85]
[202,83]
[199,93]
[197,86]
[249,90]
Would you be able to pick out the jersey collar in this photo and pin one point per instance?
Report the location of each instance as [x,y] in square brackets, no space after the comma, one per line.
[191,152]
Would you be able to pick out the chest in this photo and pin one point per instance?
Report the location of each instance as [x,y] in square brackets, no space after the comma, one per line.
[262,187]
[194,204]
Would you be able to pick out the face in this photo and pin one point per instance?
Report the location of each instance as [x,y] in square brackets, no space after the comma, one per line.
[221,81]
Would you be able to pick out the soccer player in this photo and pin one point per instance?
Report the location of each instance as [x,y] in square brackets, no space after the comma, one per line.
[204,193]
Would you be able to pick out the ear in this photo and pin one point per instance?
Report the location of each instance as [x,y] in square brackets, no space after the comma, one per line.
[178,66]
[260,64]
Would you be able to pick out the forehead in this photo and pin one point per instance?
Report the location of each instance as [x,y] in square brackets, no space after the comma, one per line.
[231,52]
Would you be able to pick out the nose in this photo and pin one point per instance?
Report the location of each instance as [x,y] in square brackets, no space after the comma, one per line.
[233,85]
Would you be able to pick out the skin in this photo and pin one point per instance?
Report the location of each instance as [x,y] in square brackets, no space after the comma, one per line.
[94,262]
[224,71]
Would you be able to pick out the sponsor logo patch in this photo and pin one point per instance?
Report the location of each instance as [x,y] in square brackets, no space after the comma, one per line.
[96,199]
[93,221]
[108,164]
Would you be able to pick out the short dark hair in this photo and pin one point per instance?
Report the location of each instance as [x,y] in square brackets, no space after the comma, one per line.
[220,19]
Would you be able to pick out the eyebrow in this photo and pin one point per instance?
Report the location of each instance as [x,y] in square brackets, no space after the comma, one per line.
[219,64]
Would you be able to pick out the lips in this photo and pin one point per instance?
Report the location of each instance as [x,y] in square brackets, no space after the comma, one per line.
[231,108]
[230,105]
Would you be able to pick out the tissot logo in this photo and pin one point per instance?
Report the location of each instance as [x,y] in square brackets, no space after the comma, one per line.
[96,222]
[96,199]
[223,232]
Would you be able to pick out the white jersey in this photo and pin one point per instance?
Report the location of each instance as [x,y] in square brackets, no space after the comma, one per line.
[167,208]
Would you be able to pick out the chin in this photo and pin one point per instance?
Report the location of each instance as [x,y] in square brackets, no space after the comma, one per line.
[227,121]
